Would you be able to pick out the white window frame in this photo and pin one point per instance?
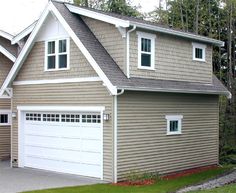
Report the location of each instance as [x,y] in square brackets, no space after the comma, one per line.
[57,54]
[174,118]
[199,46]
[152,37]
[8,113]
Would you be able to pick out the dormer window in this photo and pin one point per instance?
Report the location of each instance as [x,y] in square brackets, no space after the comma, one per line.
[146,51]
[199,52]
[57,55]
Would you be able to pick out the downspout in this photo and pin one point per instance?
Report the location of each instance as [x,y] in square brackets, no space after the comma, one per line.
[128,48]
[115,134]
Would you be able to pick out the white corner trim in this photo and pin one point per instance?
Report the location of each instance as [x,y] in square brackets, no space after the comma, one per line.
[23,33]
[115,140]
[6,35]
[30,41]
[7,54]
[57,81]
[174,118]
[200,46]
[99,16]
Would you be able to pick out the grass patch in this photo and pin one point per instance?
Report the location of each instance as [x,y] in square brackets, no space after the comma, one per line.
[225,189]
[162,186]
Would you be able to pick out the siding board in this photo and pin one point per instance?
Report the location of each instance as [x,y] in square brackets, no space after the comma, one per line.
[142,141]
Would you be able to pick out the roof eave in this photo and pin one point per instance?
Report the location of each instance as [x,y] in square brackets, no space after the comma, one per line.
[190,91]
[6,35]
[178,33]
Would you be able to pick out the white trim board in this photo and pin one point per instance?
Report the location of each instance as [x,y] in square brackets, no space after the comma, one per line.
[6,35]
[102,17]
[62,108]
[26,49]
[7,54]
[57,81]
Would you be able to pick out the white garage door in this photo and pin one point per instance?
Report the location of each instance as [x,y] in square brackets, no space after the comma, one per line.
[63,142]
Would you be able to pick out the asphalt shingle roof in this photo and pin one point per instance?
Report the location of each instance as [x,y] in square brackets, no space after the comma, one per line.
[116,75]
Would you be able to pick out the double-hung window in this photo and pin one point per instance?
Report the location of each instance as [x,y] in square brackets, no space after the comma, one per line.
[5,117]
[146,51]
[174,124]
[199,52]
[57,54]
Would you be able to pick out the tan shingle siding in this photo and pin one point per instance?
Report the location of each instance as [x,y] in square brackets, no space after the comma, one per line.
[73,94]
[33,68]
[111,39]
[142,140]
[173,60]
[5,132]
[5,67]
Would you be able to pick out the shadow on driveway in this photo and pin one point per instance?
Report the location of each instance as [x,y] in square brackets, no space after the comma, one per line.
[13,180]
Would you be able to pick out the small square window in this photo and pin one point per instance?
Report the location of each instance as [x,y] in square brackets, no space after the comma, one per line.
[174,124]
[199,52]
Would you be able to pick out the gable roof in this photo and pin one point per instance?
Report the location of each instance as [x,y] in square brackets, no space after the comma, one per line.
[125,21]
[102,62]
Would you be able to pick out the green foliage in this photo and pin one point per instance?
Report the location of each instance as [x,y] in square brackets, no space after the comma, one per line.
[134,176]
[162,186]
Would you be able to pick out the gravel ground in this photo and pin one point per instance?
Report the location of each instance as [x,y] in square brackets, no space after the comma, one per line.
[215,183]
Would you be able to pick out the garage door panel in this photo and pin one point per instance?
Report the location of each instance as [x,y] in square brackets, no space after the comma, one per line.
[62,142]
[64,167]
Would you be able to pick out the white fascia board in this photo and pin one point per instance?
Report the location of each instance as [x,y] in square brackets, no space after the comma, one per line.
[85,52]
[179,33]
[25,51]
[62,108]
[6,35]
[7,54]
[23,33]
[98,16]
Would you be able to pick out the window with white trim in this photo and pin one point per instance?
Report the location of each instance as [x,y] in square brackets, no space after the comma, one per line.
[5,117]
[57,54]
[174,124]
[146,50]
[199,52]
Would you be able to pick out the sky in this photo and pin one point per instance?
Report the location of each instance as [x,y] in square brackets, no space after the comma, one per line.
[15,15]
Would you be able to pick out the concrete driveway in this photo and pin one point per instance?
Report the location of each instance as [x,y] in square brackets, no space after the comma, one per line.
[14,180]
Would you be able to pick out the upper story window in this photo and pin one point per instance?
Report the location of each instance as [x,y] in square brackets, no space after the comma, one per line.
[174,124]
[5,117]
[57,54]
[146,51]
[199,52]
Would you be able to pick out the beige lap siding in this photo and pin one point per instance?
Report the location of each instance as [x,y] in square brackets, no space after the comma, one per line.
[68,94]
[5,133]
[142,141]
[173,60]
[33,68]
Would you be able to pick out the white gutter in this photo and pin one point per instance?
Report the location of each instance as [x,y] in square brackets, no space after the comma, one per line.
[178,33]
[128,51]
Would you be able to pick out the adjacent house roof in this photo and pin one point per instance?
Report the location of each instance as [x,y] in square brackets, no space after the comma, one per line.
[107,69]
[10,51]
